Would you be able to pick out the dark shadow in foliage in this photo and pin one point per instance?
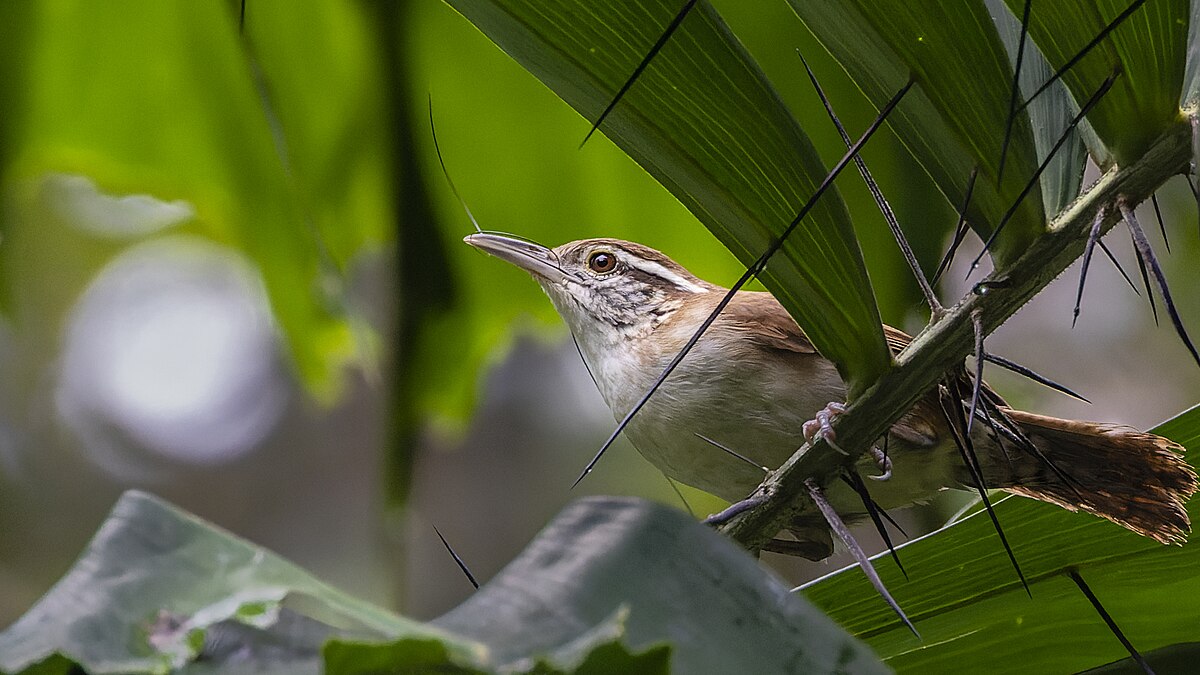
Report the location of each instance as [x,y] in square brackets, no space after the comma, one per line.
[424,285]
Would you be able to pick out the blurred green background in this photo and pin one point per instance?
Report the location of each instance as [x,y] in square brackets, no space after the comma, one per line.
[232,275]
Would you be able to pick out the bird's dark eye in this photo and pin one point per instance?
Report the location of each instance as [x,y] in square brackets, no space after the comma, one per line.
[602,262]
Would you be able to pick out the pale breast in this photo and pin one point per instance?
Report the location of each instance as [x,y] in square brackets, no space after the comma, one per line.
[730,393]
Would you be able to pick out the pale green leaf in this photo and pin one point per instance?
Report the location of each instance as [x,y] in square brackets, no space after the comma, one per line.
[1149,49]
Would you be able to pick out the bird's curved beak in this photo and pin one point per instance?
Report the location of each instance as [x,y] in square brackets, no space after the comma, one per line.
[533,258]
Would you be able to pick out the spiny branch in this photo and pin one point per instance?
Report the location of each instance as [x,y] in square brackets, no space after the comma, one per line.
[948,339]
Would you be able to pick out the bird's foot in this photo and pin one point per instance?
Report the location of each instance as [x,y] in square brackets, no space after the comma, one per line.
[883,462]
[734,509]
[822,425]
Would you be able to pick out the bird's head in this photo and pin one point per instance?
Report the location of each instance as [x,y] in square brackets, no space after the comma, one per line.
[601,287]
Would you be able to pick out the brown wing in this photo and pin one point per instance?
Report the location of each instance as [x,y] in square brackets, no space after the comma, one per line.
[766,322]
[896,339]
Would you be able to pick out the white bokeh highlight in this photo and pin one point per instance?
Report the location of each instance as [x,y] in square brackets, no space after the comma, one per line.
[171,360]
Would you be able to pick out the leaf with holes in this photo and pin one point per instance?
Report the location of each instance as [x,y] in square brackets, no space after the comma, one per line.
[611,585]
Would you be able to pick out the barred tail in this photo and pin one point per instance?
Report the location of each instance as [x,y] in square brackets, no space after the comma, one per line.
[1135,479]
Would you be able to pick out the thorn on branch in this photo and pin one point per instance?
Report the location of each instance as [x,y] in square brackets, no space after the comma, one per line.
[679,493]
[1093,237]
[1147,253]
[1162,227]
[1112,25]
[1116,263]
[839,528]
[1028,373]
[1015,91]
[951,400]
[1145,277]
[960,229]
[855,481]
[731,451]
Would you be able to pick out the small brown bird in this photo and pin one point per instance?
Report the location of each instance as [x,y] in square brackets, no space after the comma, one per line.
[754,379]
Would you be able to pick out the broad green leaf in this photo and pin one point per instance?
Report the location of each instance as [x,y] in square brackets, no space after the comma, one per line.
[680,583]
[956,120]
[365,658]
[156,585]
[774,35]
[724,146]
[1150,50]
[973,613]
[162,99]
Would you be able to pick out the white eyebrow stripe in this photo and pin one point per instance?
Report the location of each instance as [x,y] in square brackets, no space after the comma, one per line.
[662,272]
